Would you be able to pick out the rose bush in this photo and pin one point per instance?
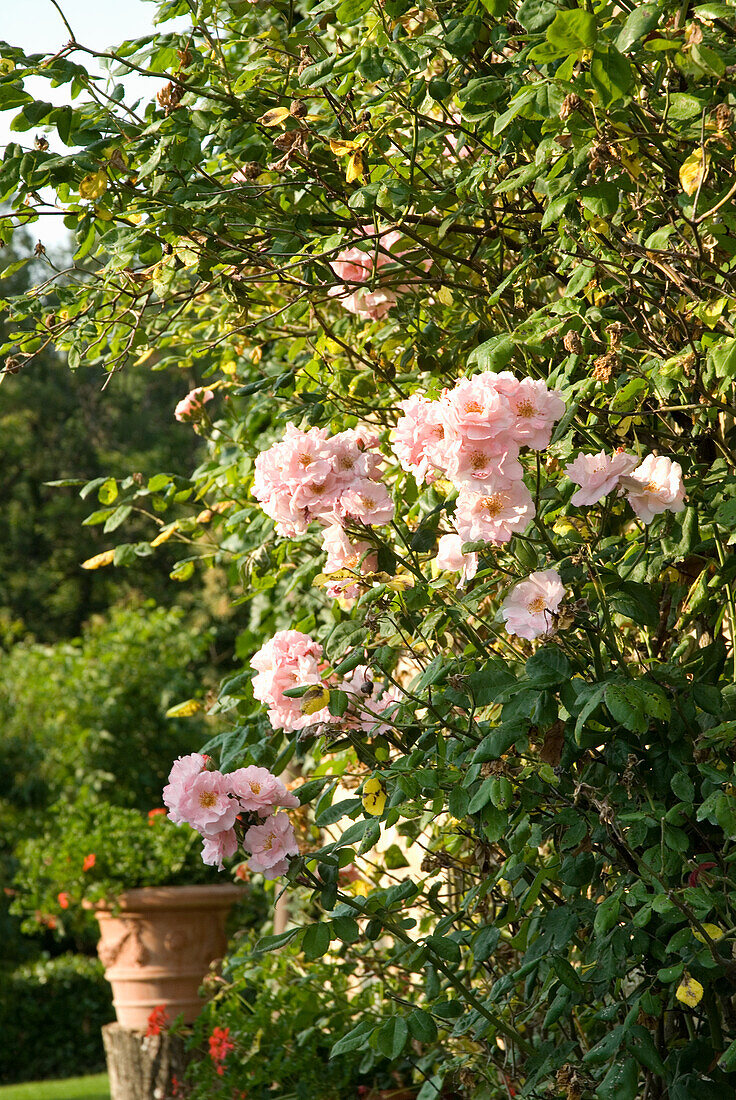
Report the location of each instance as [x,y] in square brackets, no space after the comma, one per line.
[456,272]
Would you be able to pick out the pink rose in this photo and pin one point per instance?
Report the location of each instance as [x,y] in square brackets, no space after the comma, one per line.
[270,846]
[191,407]
[655,487]
[181,777]
[494,516]
[217,848]
[598,475]
[451,558]
[530,607]
[207,805]
[258,791]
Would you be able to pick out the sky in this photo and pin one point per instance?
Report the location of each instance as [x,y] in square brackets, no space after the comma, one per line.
[37,27]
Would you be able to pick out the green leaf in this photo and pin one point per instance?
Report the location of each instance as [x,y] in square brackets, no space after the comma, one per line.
[316,940]
[445,947]
[639,23]
[346,929]
[340,809]
[357,1039]
[392,1037]
[108,491]
[548,668]
[421,1026]
[610,75]
[621,1082]
[572,31]
[350,11]
[626,704]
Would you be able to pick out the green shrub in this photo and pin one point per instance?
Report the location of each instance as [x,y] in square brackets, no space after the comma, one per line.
[51,1013]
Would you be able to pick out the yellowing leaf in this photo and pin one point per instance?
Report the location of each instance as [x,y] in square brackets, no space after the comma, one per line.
[274,117]
[143,357]
[185,709]
[165,534]
[694,171]
[711,930]
[355,169]
[315,699]
[690,992]
[374,796]
[105,558]
[444,296]
[6,66]
[104,213]
[342,148]
[93,185]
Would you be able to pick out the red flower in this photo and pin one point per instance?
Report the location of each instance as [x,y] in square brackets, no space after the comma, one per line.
[220,1046]
[158,1020]
[153,814]
[89,861]
[63,899]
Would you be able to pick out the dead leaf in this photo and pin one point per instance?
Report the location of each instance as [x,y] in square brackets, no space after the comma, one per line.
[554,742]
[694,171]
[274,117]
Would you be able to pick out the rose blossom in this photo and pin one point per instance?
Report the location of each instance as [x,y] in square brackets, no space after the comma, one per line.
[597,475]
[419,436]
[258,791]
[495,516]
[344,555]
[530,607]
[450,557]
[183,773]
[207,805]
[288,660]
[270,845]
[191,407]
[217,848]
[655,487]
[535,408]
[368,501]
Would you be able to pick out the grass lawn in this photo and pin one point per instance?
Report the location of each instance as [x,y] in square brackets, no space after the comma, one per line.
[74,1088]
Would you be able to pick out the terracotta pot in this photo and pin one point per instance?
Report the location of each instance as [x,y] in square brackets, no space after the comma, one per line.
[157,947]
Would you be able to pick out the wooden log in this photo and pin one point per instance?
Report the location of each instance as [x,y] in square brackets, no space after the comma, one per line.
[143,1067]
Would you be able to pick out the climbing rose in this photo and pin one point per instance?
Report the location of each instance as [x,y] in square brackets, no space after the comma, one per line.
[270,845]
[450,557]
[207,805]
[598,475]
[191,407]
[217,848]
[181,777]
[530,607]
[654,487]
[494,516]
[288,660]
[260,792]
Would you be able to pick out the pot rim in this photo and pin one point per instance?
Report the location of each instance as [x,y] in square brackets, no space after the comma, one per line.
[203,896]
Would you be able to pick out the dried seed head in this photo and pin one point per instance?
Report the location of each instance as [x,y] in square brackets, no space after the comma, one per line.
[724,117]
[572,343]
[570,103]
[41,143]
[297,108]
[605,366]
[615,334]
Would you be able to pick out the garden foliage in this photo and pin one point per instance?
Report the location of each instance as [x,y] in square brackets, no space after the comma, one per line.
[328,213]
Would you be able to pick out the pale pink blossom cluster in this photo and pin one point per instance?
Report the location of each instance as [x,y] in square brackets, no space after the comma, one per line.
[219,805]
[192,406]
[362,265]
[292,659]
[652,487]
[346,559]
[314,476]
[450,558]
[472,435]
[530,608]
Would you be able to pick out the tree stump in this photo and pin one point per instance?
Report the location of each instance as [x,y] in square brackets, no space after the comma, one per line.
[143,1067]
